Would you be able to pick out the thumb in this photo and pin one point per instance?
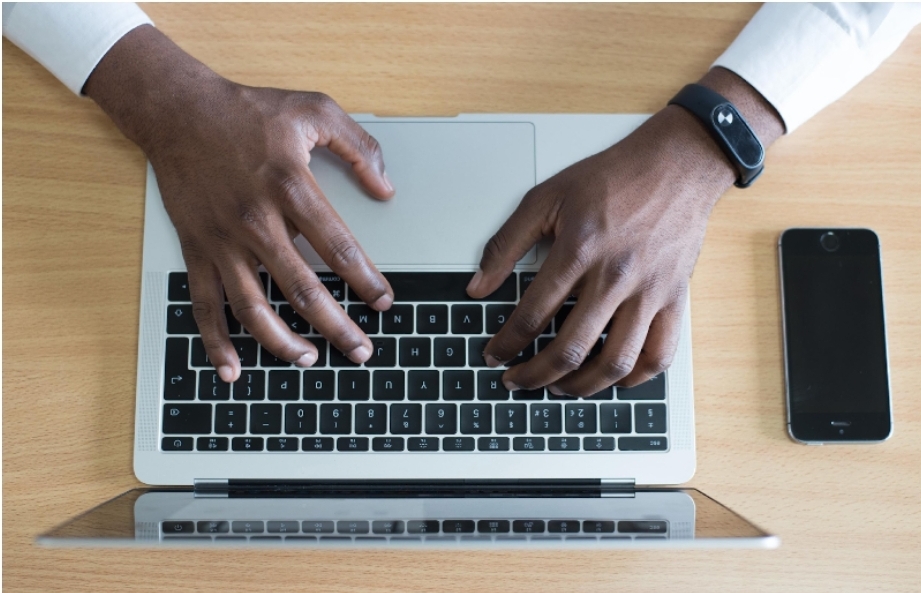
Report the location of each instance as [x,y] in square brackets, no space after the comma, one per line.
[511,242]
[345,138]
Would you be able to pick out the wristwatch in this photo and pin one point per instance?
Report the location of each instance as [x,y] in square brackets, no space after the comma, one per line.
[727,126]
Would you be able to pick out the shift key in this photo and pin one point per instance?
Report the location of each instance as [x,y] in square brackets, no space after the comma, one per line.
[187,419]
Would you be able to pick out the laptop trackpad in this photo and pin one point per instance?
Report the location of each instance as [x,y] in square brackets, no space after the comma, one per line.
[456,183]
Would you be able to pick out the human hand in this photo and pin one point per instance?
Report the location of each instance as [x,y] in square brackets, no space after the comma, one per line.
[232,166]
[628,224]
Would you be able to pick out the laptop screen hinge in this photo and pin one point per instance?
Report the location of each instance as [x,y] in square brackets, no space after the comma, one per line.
[211,488]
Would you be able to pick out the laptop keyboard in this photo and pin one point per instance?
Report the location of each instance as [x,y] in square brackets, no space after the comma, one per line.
[426,387]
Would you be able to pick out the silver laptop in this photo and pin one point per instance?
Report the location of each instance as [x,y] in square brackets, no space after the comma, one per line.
[425,413]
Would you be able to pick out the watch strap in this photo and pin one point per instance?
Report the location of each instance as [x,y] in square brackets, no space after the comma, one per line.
[728,128]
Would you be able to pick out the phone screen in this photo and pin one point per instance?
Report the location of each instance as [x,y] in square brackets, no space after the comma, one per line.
[835,341]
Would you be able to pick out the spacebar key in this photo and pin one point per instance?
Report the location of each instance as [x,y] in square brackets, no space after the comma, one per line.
[435,287]
[643,443]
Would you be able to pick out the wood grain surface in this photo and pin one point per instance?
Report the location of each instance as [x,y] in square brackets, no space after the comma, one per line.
[72,219]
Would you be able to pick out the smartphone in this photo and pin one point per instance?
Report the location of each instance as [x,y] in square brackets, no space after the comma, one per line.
[834,331]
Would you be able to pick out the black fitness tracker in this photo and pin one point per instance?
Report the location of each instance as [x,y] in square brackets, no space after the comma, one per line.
[727,126]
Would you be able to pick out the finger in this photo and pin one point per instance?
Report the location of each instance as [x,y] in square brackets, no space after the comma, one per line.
[248,302]
[312,301]
[512,241]
[573,342]
[660,347]
[353,144]
[208,309]
[618,356]
[544,297]
[323,228]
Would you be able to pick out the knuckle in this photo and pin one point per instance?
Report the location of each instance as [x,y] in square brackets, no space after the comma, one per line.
[322,103]
[619,270]
[204,313]
[569,357]
[617,367]
[495,247]
[305,296]
[251,219]
[342,252]
[371,147]
[248,311]
[526,324]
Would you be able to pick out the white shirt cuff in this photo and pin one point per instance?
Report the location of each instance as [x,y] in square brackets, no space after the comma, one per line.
[69,39]
[802,57]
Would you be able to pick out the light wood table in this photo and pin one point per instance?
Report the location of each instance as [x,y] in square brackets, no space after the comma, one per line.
[73,189]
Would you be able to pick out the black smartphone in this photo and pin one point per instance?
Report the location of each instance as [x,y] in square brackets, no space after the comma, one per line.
[835,355]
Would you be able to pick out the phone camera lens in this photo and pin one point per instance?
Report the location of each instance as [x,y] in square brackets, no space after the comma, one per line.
[830,241]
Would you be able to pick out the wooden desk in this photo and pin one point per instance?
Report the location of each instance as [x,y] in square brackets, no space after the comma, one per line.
[848,515]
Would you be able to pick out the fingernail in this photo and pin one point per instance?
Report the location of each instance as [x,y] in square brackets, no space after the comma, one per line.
[511,386]
[306,360]
[491,361]
[387,182]
[475,281]
[225,372]
[360,354]
[383,303]
[555,390]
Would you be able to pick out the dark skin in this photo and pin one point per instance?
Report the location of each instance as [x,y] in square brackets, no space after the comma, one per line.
[232,163]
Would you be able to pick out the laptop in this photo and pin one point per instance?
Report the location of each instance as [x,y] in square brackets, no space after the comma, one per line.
[369,453]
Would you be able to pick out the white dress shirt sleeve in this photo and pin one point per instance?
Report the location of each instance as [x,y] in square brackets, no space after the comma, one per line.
[69,39]
[803,57]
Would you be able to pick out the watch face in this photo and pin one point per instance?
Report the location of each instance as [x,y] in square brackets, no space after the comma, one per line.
[741,145]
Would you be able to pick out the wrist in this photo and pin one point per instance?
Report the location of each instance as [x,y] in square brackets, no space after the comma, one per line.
[146,83]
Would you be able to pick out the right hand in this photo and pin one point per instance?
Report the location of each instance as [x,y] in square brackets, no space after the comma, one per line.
[232,166]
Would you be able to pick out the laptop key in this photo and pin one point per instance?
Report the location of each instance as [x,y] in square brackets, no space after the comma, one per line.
[528,443]
[598,526]
[475,348]
[546,419]
[211,387]
[458,444]
[431,319]
[367,319]
[388,386]
[441,418]
[524,356]
[493,525]
[322,347]
[383,353]
[643,443]
[492,443]
[423,385]
[317,526]
[187,419]
[211,444]
[265,418]
[179,380]
[270,360]
[334,284]
[653,389]
[458,385]
[319,385]
[388,527]
[301,418]
[415,352]
[247,444]
[213,527]
[598,443]
[295,322]
[285,385]
[352,444]
[282,444]
[450,352]
[489,386]
[606,393]
[458,526]
[580,418]
[250,386]
[176,444]
[352,527]
[615,418]
[528,394]
[642,526]
[563,526]
[406,419]
[230,418]
[528,526]
[316,444]
[338,359]
[398,319]
[179,287]
[650,417]
[476,419]
[467,319]
[179,320]
[496,316]
[422,444]
[354,385]
[171,527]
[371,418]
[247,526]
[247,350]
[387,444]
[335,418]
[511,418]
[564,443]
[283,526]
[423,527]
